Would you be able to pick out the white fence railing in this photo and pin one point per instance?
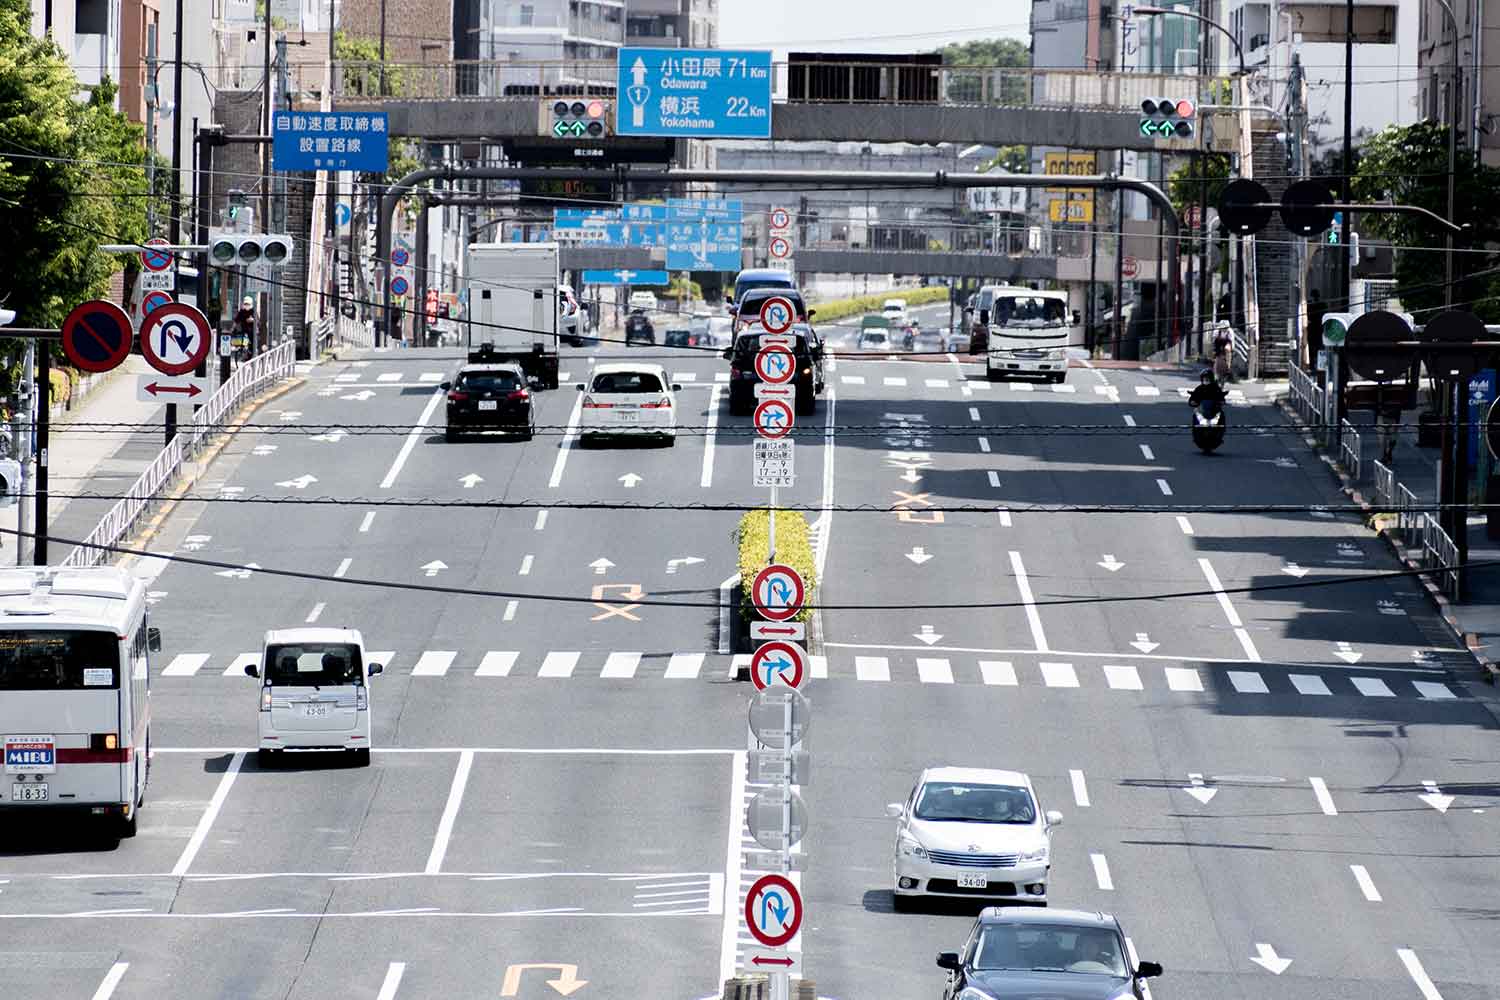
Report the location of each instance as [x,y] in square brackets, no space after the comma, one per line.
[353,332]
[1440,553]
[248,379]
[1351,449]
[1385,485]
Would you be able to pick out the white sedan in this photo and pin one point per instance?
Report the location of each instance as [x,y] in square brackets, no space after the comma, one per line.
[628,399]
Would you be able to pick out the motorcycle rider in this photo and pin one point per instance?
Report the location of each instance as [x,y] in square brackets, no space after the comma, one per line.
[1208,388]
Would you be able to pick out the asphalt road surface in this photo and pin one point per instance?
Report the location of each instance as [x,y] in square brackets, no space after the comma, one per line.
[556,801]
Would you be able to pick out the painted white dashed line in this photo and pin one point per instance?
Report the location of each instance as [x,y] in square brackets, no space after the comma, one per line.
[558,664]
[434,663]
[185,665]
[526,564]
[1184,524]
[569,436]
[315,613]
[496,664]
[974,413]
[872,668]
[1123,677]
[1147,390]
[1129,420]
[510,610]
[411,441]
[1080,789]
[1418,974]
[895,381]
[934,671]
[111,980]
[1183,679]
[1033,617]
[1366,884]
[1004,518]
[1320,792]
[1165,487]
[369,519]
[1147,453]
[998,673]
[852,379]
[1101,872]
[392,982]
[206,821]
[344,564]
[450,813]
[706,479]
[541,521]
[620,666]
[994,479]
[1240,633]
[1059,675]
[984,445]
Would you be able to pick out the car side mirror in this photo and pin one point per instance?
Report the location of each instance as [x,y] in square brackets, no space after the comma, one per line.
[893,810]
[676,387]
[580,387]
[948,960]
[1054,818]
[251,670]
[153,639]
[534,382]
[445,386]
[984,317]
[811,313]
[728,354]
[376,668]
[1077,317]
[1148,970]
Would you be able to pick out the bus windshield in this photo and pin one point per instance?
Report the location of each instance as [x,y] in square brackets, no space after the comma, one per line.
[1029,311]
[58,660]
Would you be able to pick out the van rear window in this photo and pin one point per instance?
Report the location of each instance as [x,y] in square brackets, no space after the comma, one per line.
[314,664]
[58,660]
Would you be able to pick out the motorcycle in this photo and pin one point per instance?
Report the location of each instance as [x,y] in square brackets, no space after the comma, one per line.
[1208,425]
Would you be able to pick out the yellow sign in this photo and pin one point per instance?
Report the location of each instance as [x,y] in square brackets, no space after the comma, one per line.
[1065,210]
[1068,165]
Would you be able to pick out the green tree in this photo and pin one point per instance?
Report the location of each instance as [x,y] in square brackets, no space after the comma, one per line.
[1409,165]
[1008,52]
[360,64]
[1185,187]
[1010,89]
[683,287]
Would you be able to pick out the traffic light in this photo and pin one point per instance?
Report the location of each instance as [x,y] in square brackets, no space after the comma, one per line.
[1304,208]
[1245,207]
[249,248]
[1336,328]
[1166,118]
[1333,230]
[580,118]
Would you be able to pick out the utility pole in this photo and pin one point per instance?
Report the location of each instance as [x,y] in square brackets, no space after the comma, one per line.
[1344,195]
[175,232]
[331,225]
[265,125]
[1297,167]
[150,89]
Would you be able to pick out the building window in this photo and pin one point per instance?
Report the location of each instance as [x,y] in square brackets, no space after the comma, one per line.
[527,16]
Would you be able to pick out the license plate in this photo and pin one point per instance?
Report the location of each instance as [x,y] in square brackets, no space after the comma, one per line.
[489,404]
[29,793]
[629,417]
[316,710]
[973,882]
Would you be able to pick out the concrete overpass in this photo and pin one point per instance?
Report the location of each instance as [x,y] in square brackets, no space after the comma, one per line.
[937,264]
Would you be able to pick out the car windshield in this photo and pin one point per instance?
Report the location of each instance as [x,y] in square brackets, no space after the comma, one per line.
[489,381]
[58,661]
[751,284]
[961,802]
[1050,948]
[621,382]
[872,339]
[314,664]
[1029,311]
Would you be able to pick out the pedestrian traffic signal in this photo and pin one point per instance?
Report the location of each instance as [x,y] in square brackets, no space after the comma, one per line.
[1243,206]
[1304,208]
[1166,118]
[581,118]
[249,248]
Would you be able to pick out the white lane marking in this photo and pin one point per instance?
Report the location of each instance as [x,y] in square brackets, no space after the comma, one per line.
[620,665]
[1123,677]
[392,982]
[1022,387]
[388,377]
[526,565]
[510,611]
[206,821]
[541,521]
[936,383]
[1418,974]
[1004,518]
[974,413]
[450,813]
[434,663]
[1184,524]
[1309,684]
[185,665]
[1240,633]
[338,574]
[684,376]
[347,377]
[984,445]
[1147,390]
[237,667]
[1183,679]
[712,428]
[1064,387]
[430,377]
[872,668]
[1248,682]
[566,445]
[315,613]
[1372,687]
[383,657]
[1135,962]
[852,379]
[994,479]
[998,672]
[411,441]
[1325,801]
[729,939]
[683,666]
[364,525]
[721,376]
[1101,872]
[1033,617]
[932,670]
[819,665]
[895,381]
[1165,487]
[1433,690]
[111,980]
[1147,453]
[1129,420]
[1366,884]
[496,664]
[449,751]
[556,664]
[1080,788]
[1059,675]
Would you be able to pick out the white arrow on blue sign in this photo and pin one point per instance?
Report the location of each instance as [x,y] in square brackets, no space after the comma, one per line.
[702,93]
[626,277]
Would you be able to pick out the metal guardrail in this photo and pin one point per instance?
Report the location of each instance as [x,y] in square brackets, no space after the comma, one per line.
[1440,553]
[251,377]
[1351,450]
[1385,485]
[353,332]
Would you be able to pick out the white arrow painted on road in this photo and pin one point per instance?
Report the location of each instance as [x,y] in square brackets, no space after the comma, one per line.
[361,395]
[332,437]
[1198,790]
[302,482]
[672,564]
[1143,642]
[195,542]
[1435,797]
[630,479]
[471,480]
[601,565]
[239,574]
[918,555]
[1292,569]
[289,415]
[1346,652]
[263,449]
[1110,563]
[152,596]
[911,476]
[1267,959]
[927,635]
[435,567]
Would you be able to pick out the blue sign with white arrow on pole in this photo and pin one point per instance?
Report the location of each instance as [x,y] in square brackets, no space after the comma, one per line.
[625,276]
[694,93]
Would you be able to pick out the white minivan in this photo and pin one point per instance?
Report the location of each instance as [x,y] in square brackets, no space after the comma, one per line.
[314,691]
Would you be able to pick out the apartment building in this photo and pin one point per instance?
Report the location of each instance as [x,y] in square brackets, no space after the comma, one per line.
[677,24]
[1438,77]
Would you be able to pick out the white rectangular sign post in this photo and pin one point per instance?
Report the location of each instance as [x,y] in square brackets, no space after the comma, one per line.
[155,281]
[159,388]
[778,631]
[774,463]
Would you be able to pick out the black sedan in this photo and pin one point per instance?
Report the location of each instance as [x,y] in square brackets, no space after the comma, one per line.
[639,329]
[490,398]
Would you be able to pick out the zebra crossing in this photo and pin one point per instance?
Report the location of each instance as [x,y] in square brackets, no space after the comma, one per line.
[1423,684]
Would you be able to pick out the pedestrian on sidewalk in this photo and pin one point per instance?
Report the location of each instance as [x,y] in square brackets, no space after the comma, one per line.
[1223,352]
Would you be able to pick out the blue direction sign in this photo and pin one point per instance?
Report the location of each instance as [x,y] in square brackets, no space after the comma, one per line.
[703,93]
[336,140]
[626,277]
[701,209]
[96,336]
[703,246]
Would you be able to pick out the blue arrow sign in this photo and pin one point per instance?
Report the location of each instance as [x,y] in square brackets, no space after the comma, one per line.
[705,93]
[626,277]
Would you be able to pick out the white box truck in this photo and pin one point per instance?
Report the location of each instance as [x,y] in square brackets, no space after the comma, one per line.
[513,305]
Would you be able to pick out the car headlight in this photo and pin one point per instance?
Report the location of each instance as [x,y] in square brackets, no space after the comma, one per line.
[973,993]
[1059,354]
[908,845]
[1040,854]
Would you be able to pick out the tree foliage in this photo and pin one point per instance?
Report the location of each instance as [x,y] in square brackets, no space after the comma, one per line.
[1009,89]
[359,60]
[1008,52]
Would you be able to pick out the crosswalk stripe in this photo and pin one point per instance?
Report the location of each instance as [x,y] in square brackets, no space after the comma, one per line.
[1022,387]
[433,663]
[979,386]
[1123,677]
[496,664]
[556,664]
[872,668]
[1372,687]
[684,376]
[185,665]
[896,381]
[937,383]
[1059,675]
[1309,684]
[721,376]
[852,379]
[620,665]
[934,670]
[740,664]
[819,665]
[236,667]
[1247,682]
[1433,690]
[564,377]
[684,666]
[388,377]
[430,377]
[999,672]
[1183,679]
[1147,390]
[1064,387]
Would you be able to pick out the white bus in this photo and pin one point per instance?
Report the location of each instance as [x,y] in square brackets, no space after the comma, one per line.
[75,710]
[1025,332]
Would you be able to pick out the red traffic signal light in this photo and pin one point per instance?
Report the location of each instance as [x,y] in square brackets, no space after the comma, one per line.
[1185,109]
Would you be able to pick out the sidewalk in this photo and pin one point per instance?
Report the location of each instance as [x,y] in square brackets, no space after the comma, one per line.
[91,459]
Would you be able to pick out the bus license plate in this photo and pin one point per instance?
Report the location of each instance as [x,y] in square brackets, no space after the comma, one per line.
[973,882]
[29,793]
[317,710]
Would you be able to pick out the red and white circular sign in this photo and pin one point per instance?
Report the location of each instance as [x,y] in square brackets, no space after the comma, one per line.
[780,218]
[777,593]
[781,247]
[773,910]
[156,260]
[777,314]
[775,364]
[175,338]
[773,418]
[778,661]
[1129,267]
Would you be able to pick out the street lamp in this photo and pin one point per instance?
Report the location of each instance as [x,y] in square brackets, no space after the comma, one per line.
[1158,11]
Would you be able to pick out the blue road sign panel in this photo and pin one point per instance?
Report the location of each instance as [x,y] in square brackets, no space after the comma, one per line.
[703,246]
[700,209]
[704,93]
[335,140]
[644,213]
[626,277]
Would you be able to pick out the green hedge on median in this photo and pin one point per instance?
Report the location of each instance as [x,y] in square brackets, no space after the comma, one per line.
[837,309]
[793,548]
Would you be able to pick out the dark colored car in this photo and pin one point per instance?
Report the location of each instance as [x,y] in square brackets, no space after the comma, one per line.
[490,398]
[808,353]
[680,337]
[747,309]
[1019,951]
[639,330]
